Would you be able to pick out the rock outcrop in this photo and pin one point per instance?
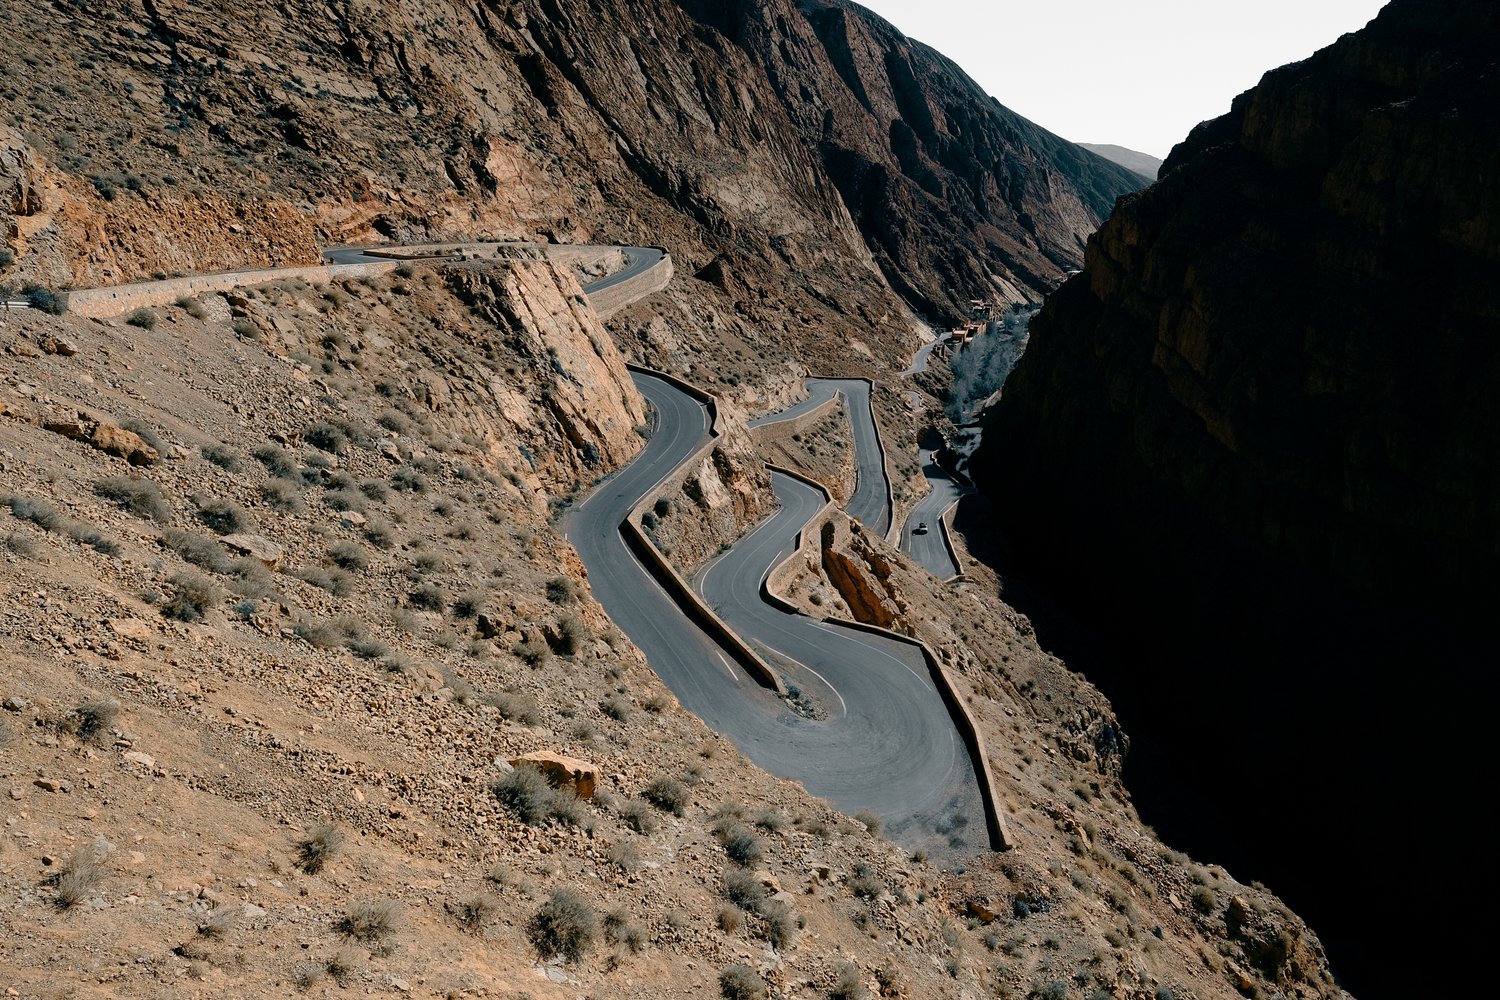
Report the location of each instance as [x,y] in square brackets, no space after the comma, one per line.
[1259,438]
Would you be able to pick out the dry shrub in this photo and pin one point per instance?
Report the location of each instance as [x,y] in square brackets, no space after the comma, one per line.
[668,795]
[370,920]
[527,793]
[192,596]
[79,876]
[474,911]
[740,982]
[140,497]
[564,926]
[321,844]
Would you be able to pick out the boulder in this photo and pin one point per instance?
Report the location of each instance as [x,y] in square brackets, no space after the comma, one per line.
[257,547]
[61,346]
[128,445]
[982,908]
[106,436]
[563,772]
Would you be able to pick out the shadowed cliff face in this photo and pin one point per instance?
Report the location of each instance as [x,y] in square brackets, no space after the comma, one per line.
[1259,438]
[774,133]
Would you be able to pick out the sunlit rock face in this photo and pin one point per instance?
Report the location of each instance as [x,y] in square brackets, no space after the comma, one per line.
[1261,431]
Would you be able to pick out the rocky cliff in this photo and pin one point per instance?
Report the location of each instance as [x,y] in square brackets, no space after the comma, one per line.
[168,136]
[1258,437]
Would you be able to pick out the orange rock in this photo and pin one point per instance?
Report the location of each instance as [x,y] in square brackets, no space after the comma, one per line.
[563,772]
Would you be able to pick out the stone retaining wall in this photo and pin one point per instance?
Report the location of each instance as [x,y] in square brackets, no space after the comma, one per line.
[608,301]
[666,574]
[116,300]
[999,830]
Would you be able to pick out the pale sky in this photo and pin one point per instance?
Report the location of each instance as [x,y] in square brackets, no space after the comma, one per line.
[1136,73]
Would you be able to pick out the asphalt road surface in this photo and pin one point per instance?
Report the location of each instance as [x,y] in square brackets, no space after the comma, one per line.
[919,360]
[928,548]
[870,504]
[638,259]
[885,741]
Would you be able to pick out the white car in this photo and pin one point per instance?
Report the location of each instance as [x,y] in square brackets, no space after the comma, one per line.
[920,529]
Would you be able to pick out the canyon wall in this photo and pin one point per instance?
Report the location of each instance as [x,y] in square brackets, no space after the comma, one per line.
[774,134]
[1258,440]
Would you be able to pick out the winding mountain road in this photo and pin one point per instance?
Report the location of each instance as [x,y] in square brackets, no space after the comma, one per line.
[886,741]
[928,548]
[637,259]
[871,502]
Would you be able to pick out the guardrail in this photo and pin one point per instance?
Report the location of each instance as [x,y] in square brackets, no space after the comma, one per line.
[1001,837]
[948,539]
[115,300]
[1000,833]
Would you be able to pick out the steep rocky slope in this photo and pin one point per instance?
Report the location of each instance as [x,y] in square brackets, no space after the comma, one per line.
[771,134]
[276,627]
[1258,438]
[185,708]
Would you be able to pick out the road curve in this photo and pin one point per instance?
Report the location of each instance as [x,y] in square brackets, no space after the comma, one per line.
[928,548]
[871,502]
[637,259]
[919,360]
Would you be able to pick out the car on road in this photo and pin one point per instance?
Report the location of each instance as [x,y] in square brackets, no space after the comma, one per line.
[920,529]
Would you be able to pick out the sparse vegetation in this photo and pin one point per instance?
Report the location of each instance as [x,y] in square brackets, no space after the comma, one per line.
[409,480]
[617,707]
[223,456]
[219,921]
[20,545]
[370,920]
[639,817]
[222,517]
[740,982]
[320,845]
[870,820]
[141,497]
[515,706]
[565,926]
[201,551]
[278,461]
[78,878]
[743,889]
[193,595]
[428,597]
[864,882]
[327,437]
[282,494]
[474,911]
[348,555]
[143,318]
[561,590]
[49,518]
[335,581]
[93,720]
[619,930]
[848,984]
[532,653]
[192,307]
[527,793]
[668,795]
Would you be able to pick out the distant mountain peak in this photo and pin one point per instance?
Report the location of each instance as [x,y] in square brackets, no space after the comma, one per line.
[1141,163]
